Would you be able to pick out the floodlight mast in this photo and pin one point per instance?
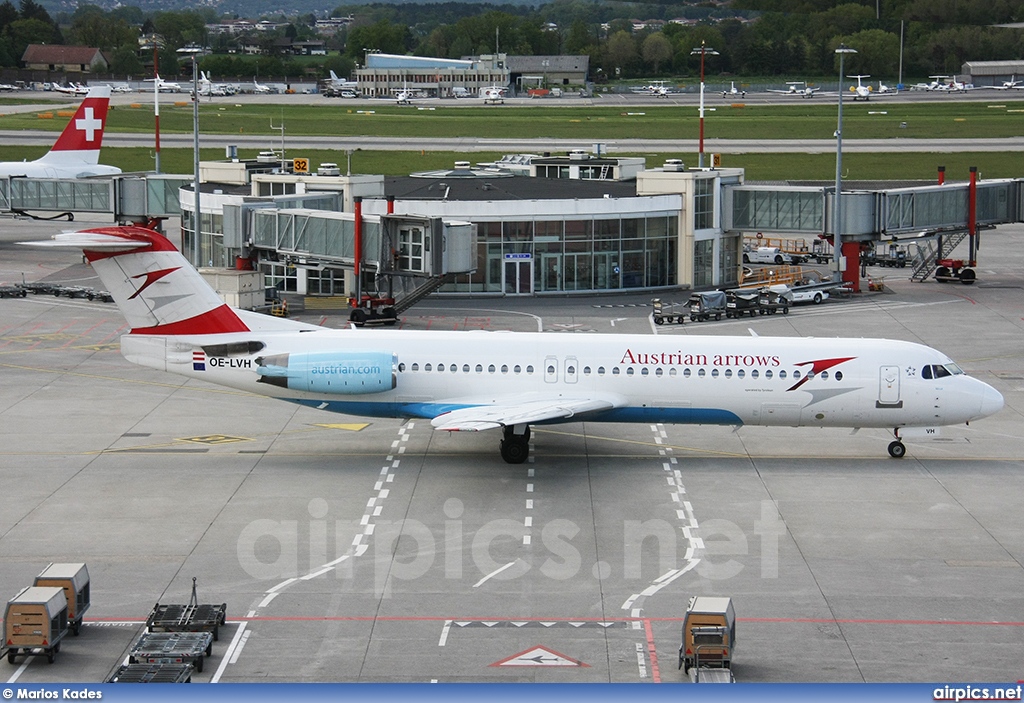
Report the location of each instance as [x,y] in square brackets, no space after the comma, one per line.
[702,50]
[837,212]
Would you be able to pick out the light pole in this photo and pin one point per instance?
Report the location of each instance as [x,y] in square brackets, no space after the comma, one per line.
[702,50]
[837,212]
[198,215]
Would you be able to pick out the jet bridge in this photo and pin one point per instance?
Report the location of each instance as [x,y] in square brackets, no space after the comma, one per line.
[944,214]
[125,197]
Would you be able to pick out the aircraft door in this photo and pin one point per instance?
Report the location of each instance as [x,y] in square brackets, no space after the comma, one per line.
[550,369]
[889,387]
[571,369]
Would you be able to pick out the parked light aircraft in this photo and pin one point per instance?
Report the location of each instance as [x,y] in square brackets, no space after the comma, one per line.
[493,95]
[208,87]
[861,91]
[76,153]
[733,90]
[474,381]
[71,89]
[120,88]
[261,89]
[163,86]
[795,89]
[342,83]
[1012,84]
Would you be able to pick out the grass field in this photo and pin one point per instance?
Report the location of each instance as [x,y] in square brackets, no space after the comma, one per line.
[954,120]
[878,119]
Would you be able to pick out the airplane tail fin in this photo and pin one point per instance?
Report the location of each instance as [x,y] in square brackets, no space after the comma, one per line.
[81,140]
[334,76]
[156,288]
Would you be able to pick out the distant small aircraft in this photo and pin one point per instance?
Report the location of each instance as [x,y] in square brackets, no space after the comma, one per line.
[1012,84]
[163,86]
[734,91]
[861,91]
[259,88]
[120,88]
[342,83]
[71,89]
[795,89]
[493,95]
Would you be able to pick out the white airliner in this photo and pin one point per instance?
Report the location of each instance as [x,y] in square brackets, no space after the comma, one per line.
[472,381]
[76,153]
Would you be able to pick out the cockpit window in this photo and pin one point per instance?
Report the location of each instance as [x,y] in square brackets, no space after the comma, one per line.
[940,370]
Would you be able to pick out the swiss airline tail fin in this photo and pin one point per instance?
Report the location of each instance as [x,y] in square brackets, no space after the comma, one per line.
[80,141]
[157,289]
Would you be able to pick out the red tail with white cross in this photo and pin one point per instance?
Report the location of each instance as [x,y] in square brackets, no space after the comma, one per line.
[81,140]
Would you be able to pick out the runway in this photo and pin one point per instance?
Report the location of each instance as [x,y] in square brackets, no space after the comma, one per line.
[382,551]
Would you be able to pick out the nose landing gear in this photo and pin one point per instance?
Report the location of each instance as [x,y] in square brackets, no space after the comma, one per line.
[897,450]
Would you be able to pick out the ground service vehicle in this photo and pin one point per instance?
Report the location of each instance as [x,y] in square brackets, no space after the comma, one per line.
[35,622]
[709,633]
[74,579]
[766,255]
[707,304]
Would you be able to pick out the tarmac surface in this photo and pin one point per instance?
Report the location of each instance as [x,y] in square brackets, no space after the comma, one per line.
[349,549]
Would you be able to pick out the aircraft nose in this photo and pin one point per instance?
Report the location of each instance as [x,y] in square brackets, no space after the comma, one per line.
[991,401]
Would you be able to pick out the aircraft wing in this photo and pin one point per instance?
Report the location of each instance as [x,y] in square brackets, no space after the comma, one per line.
[489,417]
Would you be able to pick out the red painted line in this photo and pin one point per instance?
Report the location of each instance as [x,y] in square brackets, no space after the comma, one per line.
[655,672]
[646,621]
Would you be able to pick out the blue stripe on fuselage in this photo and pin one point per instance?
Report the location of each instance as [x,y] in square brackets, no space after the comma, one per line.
[681,416]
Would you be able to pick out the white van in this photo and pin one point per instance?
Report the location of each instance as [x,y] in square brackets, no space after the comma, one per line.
[460,92]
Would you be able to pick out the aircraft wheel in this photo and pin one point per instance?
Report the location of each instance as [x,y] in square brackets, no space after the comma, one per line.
[515,450]
[509,433]
[897,450]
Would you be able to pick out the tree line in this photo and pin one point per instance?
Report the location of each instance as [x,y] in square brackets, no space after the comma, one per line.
[751,37]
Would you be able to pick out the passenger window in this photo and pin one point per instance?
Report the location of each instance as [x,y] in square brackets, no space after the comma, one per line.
[551,370]
[824,375]
[839,375]
[782,374]
[728,373]
[796,374]
[586,370]
[701,373]
[504,368]
[672,372]
[465,368]
[517,369]
[768,373]
[440,368]
[714,373]
[401,368]
[629,371]
[428,367]
[490,369]
[645,371]
[600,371]
[571,370]
[754,373]
[686,372]
[616,371]
[529,368]
[658,372]
[415,367]
[740,374]
[479,368]
[453,368]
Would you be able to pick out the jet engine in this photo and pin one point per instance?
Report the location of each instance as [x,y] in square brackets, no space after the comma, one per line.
[344,373]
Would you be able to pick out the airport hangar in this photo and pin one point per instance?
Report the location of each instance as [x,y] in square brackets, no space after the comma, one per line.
[575,223]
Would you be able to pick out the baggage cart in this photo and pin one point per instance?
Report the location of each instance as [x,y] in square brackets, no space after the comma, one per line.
[770,302]
[668,313]
[35,622]
[172,648]
[74,579]
[193,617]
[707,304]
[152,673]
[740,303]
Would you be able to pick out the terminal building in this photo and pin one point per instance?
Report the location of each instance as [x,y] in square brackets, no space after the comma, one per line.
[577,224]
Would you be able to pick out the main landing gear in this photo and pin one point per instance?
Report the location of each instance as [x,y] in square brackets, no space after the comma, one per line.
[515,447]
[897,450]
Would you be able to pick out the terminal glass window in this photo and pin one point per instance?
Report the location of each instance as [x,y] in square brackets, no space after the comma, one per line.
[704,203]
[703,263]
